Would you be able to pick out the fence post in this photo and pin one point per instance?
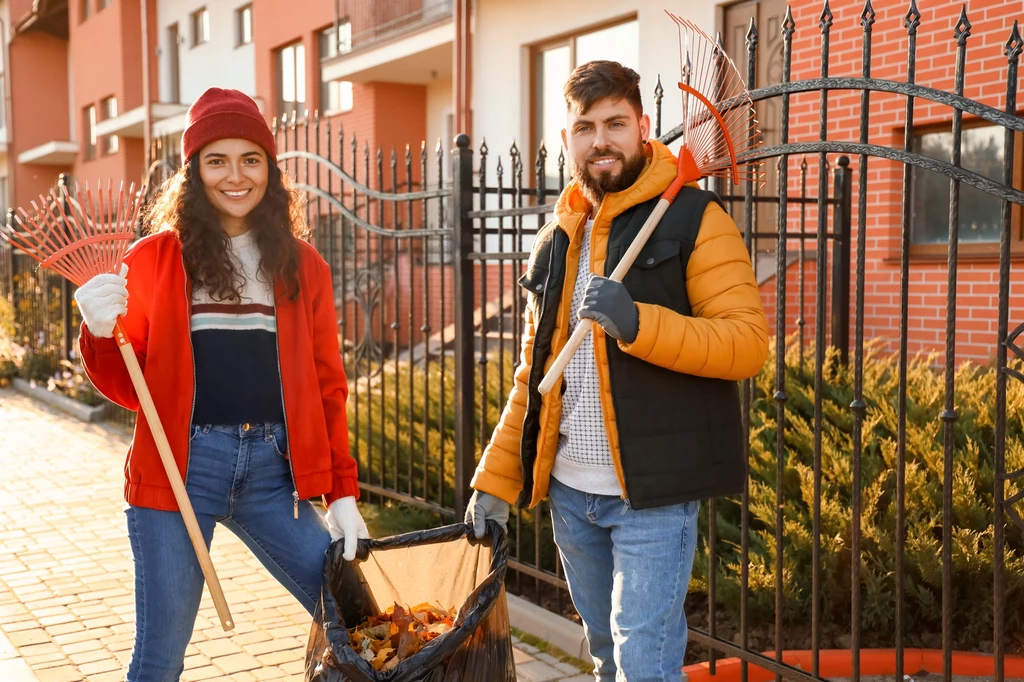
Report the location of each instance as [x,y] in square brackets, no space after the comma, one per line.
[68,342]
[843,192]
[462,227]
[10,264]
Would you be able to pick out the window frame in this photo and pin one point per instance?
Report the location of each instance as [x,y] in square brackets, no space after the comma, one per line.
[536,50]
[302,106]
[89,142]
[974,250]
[323,35]
[110,144]
[201,14]
[240,38]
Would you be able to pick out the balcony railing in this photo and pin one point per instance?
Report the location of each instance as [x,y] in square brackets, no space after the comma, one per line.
[373,21]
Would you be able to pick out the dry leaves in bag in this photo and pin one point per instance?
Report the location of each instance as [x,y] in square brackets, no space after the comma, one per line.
[387,639]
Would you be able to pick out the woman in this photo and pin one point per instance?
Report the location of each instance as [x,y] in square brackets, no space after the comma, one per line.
[232,316]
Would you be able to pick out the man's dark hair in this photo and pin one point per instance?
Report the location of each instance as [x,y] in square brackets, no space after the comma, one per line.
[596,80]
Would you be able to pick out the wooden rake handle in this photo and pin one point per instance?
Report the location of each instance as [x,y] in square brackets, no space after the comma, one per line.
[171,469]
[686,171]
[584,326]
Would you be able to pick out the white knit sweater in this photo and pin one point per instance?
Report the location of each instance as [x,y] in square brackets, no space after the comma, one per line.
[584,458]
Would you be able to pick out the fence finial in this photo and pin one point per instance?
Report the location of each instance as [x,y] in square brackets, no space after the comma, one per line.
[752,34]
[1014,44]
[867,17]
[962,31]
[913,18]
[825,20]
[788,24]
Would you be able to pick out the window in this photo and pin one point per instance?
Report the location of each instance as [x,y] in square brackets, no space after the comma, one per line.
[554,61]
[200,27]
[110,143]
[89,132]
[291,80]
[335,95]
[981,151]
[86,9]
[102,4]
[243,25]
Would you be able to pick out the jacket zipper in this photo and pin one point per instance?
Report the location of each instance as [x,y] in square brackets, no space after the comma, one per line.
[284,410]
[192,355]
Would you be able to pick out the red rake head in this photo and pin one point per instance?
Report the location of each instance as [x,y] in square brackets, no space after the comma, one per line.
[719,121]
[78,236]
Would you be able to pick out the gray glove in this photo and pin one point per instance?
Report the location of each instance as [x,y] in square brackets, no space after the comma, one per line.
[485,507]
[607,302]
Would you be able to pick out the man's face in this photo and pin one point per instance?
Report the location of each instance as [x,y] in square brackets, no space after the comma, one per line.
[605,146]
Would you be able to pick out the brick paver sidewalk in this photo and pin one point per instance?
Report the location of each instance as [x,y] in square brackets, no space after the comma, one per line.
[66,605]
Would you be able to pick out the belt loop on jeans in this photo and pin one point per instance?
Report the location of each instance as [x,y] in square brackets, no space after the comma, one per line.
[206,428]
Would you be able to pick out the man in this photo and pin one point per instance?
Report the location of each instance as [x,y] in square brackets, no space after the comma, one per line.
[647,419]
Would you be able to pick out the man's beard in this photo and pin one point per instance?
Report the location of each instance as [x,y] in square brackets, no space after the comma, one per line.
[594,188]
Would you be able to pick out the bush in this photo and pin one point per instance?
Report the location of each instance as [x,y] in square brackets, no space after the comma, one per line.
[972,494]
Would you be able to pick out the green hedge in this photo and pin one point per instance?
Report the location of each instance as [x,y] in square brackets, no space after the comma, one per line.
[972,492]
[973,483]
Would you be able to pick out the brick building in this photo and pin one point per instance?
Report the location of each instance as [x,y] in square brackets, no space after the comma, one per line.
[386,72]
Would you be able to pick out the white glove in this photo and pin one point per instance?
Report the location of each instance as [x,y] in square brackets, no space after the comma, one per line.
[101,300]
[345,521]
[485,507]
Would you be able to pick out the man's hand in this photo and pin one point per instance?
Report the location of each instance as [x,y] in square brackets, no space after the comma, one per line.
[485,507]
[609,304]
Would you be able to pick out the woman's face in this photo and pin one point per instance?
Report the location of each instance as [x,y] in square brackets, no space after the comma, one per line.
[234,174]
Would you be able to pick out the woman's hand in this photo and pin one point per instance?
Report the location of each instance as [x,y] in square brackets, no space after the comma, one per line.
[345,521]
[101,301]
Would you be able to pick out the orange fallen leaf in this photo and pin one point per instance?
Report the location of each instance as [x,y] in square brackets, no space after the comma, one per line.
[393,636]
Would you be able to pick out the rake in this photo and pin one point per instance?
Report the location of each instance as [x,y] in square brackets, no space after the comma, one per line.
[82,236]
[719,124]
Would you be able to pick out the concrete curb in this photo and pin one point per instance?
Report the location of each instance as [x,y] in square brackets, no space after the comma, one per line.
[553,629]
[76,409]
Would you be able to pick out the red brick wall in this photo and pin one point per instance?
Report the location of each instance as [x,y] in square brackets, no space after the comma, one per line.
[977,287]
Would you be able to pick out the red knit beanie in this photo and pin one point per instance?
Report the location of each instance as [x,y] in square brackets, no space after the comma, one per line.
[219,114]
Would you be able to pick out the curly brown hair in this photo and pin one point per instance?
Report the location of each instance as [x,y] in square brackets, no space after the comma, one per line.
[277,222]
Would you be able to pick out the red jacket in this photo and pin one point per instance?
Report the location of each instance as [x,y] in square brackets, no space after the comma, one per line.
[159,326]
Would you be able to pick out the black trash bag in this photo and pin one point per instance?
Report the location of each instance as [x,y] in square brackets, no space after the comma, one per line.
[445,566]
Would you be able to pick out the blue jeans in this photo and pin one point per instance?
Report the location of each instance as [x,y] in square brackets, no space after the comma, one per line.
[241,478]
[628,572]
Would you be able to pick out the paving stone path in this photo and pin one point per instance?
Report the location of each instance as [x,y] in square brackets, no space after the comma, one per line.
[66,606]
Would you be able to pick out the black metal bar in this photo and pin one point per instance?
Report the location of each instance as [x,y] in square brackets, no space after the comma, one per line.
[396,327]
[1012,51]
[825,24]
[501,284]
[801,319]
[462,203]
[68,332]
[949,416]
[858,406]
[788,28]
[482,359]
[411,333]
[842,190]
[659,95]
[911,22]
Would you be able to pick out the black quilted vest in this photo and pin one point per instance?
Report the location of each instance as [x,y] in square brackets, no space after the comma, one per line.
[680,436]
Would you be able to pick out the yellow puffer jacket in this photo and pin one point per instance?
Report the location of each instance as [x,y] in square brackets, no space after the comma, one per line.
[727,337]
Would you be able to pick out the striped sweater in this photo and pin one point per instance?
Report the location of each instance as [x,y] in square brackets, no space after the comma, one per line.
[234,347]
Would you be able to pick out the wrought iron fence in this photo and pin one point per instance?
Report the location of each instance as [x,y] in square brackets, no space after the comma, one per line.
[425,246]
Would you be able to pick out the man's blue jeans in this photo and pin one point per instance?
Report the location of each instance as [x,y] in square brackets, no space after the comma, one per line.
[628,572]
[241,478]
